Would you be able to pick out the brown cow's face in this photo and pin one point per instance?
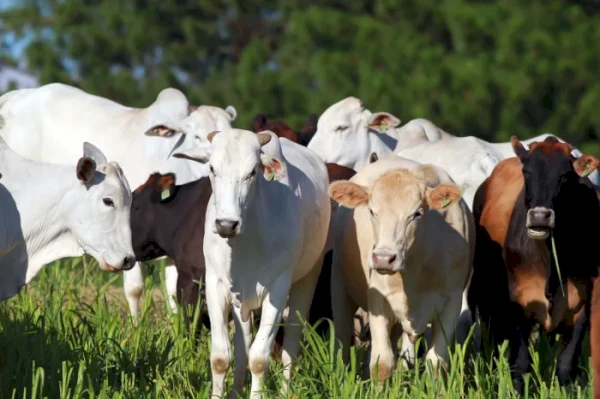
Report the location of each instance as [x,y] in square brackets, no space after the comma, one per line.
[548,171]
[399,204]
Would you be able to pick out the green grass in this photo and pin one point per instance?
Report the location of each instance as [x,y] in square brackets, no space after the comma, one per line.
[69,335]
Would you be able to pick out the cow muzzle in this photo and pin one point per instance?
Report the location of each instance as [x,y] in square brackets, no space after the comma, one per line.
[540,220]
[227,228]
[385,261]
[126,264]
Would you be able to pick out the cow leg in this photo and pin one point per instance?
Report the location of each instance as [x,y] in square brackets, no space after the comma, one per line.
[407,351]
[382,360]
[133,285]
[519,341]
[171,286]
[343,309]
[567,361]
[301,294]
[443,331]
[220,352]
[272,310]
[242,340]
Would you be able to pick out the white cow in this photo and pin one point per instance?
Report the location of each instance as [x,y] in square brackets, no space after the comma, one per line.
[347,134]
[50,123]
[51,212]
[404,246]
[266,228]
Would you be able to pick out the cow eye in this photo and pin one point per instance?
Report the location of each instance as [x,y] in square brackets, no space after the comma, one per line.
[371,212]
[212,170]
[108,202]
[418,214]
[341,128]
[170,133]
[251,175]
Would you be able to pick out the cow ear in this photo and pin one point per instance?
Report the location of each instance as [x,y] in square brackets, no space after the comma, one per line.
[162,131]
[164,186]
[518,148]
[382,121]
[259,122]
[374,157]
[443,195]
[585,164]
[230,109]
[271,167]
[94,153]
[311,125]
[86,168]
[348,194]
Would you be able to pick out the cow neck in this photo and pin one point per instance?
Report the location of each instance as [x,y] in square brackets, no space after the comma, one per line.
[44,195]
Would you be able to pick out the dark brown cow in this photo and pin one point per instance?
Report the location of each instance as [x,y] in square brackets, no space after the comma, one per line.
[167,219]
[518,209]
[261,123]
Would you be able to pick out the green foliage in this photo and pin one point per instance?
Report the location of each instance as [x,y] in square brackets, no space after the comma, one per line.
[489,69]
[68,335]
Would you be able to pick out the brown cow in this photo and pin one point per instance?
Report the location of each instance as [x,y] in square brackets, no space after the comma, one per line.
[261,123]
[167,219]
[526,202]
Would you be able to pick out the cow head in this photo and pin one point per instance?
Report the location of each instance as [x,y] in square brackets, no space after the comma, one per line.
[159,188]
[190,131]
[400,204]
[347,134]
[237,167]
[548,171]
[99,214]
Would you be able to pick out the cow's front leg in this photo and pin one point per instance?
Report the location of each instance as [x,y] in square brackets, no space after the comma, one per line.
[218,310]
[381,317]
[133,285]
[443,331]
[567,361]
[171,285]
[242,340]
[271,312]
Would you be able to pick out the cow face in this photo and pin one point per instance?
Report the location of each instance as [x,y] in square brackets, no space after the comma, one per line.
[237,166]
[347,134]
[99,215]
[548,171]
[400,205]
[188,133]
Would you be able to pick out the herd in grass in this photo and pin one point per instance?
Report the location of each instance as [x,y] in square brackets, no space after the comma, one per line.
[408,225]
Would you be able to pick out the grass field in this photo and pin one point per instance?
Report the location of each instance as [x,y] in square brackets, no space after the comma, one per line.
[69,335]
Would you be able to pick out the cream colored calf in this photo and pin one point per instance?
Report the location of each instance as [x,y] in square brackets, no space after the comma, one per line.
[403,252]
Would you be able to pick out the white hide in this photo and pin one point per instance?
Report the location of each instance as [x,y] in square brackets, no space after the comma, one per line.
[50,123]
[283,226]
[344,137]
[49,214]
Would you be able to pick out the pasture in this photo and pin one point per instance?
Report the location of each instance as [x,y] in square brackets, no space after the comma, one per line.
[68,334]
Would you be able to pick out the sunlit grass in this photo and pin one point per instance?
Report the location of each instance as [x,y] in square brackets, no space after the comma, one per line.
[69,335]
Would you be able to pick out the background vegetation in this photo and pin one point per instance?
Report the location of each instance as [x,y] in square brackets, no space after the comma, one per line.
[483,68]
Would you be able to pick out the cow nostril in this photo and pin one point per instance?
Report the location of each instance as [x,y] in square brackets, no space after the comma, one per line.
[234,224]
[392,259]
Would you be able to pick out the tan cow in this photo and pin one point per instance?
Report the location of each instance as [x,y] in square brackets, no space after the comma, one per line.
[404,251]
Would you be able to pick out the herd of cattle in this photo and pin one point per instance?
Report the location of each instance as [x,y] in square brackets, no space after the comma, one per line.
[408,224]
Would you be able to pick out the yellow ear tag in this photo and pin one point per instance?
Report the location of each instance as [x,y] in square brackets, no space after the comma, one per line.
[165,194]
[382,127]
[271,175]
[586,171]
[445,202]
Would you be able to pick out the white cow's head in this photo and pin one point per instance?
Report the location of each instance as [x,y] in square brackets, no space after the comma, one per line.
[98,211]
[400,204]
[347,134]
[186,134]
[237,167]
